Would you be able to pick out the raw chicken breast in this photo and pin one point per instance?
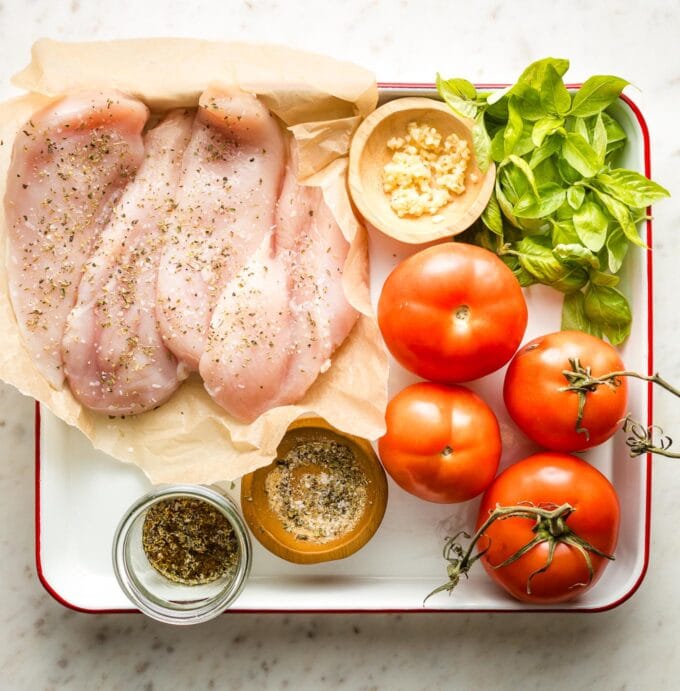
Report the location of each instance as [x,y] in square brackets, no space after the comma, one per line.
[69,165]
[279,321]
[231,177]
[114,355]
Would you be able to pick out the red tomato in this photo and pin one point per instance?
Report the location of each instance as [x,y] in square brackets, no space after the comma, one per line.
[548,415]
[442,443]
[452,312]
[549,480]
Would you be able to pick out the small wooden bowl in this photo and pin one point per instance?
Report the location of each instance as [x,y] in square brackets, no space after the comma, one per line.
[268,529]
[369,154]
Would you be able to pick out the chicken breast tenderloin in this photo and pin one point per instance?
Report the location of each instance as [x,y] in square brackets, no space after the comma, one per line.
[231,177]
[114,356]
[280,319]
[69,165]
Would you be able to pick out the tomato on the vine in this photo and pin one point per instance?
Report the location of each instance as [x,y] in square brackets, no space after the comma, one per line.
[452,313]
[538,401]
[550,480]
[442,443]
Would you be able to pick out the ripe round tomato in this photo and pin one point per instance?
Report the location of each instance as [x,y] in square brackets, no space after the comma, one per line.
[548,415]
[549,480]
[452,312]
[442,443]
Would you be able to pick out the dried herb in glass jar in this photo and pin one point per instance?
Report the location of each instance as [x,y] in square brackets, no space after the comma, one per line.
[189,541]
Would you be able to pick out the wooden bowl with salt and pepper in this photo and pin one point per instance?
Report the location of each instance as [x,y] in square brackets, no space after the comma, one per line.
[323,497]
[370,152]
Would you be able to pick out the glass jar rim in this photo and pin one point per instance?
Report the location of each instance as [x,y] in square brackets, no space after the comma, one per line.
[162,609]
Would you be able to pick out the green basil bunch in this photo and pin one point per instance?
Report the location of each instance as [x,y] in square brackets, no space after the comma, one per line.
[561,213]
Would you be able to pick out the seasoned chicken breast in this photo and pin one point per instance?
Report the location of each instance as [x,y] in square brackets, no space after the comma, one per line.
[231,177]
[281,318]
[69,166]
[114,355]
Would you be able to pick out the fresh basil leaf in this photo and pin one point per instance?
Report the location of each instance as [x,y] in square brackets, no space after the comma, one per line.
[545,126]
[596,94]
[486,239]
[491,216]
[554,95]
[574,278]
[564,213]
[450,90]
[534,75]
[599,278]
[481,143]
[512,182]
[551,145]
[591,225]
[574,315]
[498,145]
[524,278]
[513,130]
[498,95]
[615,133]
[617,248]
[534,82]
[581,128]
[576,254]
[550,197]
[479,234]
[504,203]
[631,188]
[567,173]
[546,171]
[523,167]
[460,87]
[612,151]
[536,257]
[609,309]
[497,105]
[580,155]
[563,233]
[524,144]
[575,196]
[599,139]
[529,105]
[621,214]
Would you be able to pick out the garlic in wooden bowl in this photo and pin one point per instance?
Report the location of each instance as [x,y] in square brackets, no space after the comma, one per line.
[323,497]
[413,173]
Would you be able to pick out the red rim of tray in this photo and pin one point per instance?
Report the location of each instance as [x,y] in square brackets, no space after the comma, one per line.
[648,465]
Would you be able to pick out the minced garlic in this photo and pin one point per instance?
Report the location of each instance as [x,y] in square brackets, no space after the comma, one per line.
[424,172]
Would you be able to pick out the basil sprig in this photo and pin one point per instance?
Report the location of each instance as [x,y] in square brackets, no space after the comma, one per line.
[561,213]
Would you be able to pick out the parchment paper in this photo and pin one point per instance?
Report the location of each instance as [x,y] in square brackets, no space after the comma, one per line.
[322,101]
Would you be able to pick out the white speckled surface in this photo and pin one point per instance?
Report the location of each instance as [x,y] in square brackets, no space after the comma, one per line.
[43,646]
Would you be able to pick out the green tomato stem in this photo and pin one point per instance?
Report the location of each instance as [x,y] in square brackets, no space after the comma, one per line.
[550,526]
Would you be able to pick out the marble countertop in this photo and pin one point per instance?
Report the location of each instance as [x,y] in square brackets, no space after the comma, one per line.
[44,646]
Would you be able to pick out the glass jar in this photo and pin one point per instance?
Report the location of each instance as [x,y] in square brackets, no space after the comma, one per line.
[157,596]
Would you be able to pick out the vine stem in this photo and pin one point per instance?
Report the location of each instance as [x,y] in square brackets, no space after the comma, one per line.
[582,382]
[661,452]
[550,526]
[641,439]
[654,378]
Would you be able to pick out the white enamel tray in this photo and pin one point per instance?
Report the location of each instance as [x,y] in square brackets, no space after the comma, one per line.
[81,493]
